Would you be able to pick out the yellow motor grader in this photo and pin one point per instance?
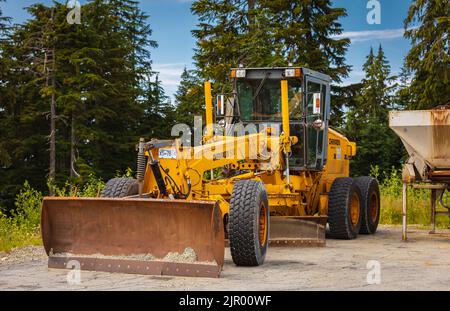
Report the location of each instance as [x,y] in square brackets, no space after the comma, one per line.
[266,170]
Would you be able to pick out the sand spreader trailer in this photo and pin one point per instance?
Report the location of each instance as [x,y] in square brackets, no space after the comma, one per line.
[426,136]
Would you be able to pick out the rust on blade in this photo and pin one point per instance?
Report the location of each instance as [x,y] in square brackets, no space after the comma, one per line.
[298,231]
[136,266]
[121,227]
[297,242]
[441,132]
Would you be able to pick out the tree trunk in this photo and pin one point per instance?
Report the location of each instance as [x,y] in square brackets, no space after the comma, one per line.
[250,7]
[73,173]
[52,174]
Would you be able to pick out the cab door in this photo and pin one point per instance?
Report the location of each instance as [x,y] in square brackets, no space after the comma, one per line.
[317,113]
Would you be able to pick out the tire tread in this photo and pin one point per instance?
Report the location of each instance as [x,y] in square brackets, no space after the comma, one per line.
[242,217]
[119,187]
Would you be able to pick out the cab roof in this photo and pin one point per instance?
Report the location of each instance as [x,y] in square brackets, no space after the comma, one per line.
[278,73]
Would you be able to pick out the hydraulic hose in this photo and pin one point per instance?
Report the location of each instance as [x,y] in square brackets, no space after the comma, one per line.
[441,200]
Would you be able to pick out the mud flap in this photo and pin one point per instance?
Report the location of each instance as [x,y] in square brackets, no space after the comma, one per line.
[113,235]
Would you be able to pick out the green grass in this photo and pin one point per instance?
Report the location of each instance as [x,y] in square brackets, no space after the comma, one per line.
[13,235]
[419,203]
[22,228]
[419,212]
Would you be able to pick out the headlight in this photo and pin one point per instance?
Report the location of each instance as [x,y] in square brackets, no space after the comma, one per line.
[240,73]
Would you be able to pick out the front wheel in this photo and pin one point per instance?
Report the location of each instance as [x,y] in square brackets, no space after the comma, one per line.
[248,223]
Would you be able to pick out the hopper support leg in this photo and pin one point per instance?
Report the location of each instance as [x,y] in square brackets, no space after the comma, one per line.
[433,211]
[404,211]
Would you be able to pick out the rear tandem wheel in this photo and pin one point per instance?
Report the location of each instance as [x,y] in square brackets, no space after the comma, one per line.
[344,209]
[120,187]
[370,206]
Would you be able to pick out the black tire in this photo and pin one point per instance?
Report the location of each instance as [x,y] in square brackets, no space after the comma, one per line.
[342,223]
[120,187]
[370,192]
[248,223]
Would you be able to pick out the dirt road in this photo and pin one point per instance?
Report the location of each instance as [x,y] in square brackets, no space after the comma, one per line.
[421,263]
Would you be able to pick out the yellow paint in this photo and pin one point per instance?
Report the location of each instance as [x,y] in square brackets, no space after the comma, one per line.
[209,109]
[285,107]
[307,193]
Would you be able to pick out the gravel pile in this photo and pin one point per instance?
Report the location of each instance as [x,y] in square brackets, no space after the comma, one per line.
[37,253]
[23,254]
[188,255]
[101,256]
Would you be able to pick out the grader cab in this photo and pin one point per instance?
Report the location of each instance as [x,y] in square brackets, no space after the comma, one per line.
[267,170]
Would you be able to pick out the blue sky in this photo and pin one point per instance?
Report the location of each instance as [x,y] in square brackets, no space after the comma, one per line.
[172,22]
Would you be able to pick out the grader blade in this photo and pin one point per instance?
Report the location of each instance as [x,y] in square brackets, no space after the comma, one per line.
[140,236]
[297,231]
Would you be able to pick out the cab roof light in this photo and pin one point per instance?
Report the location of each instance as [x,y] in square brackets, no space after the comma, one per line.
[238,73]
[292,73]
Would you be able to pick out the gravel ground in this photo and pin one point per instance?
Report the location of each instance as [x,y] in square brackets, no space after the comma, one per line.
[23,254]
[422,263]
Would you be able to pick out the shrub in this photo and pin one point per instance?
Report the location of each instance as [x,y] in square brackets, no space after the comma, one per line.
[90,188]
[419,209]
[22,228]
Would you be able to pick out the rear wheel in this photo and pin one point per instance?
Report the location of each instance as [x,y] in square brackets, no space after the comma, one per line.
[370,204]
[248,223]
[120,187]
[344,209]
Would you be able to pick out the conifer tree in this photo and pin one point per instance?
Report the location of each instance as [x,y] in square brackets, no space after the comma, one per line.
[102,73]
[343,98]
[5,158]
[159,114]
[221,36]
[268,33]
[189,98]
[367,122]
[307,34]
[404,97]
[427,26]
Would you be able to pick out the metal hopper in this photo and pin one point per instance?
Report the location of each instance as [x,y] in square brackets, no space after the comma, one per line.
[426,136]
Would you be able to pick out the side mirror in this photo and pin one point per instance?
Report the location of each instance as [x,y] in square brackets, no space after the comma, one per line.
[318,124]
[220,105]
[317,101]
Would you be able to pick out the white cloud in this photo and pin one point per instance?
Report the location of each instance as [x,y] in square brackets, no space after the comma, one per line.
[356,76]
[170,75]
[366,35]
